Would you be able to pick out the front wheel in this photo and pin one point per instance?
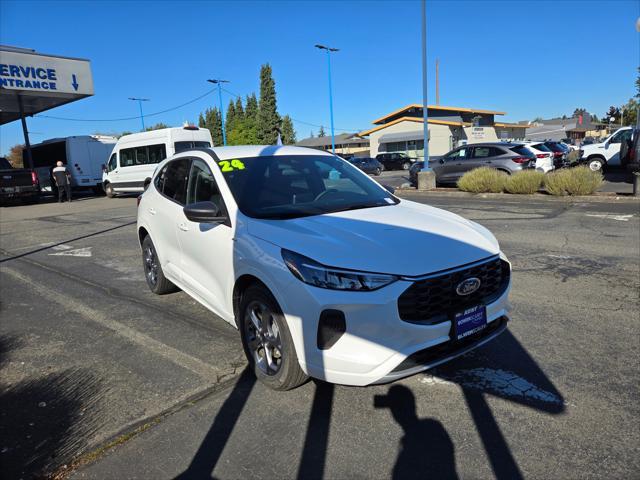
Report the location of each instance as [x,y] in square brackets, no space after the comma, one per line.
[108,190]
[267,341]
[406,165]
[595,165]
[377,172]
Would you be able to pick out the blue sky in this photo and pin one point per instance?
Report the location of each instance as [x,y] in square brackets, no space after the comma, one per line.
[528,58]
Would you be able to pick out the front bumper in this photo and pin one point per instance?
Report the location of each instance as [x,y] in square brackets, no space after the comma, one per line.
[377,343]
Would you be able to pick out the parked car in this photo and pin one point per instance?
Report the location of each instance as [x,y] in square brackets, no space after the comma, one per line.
[17,183]
[506,157]
[560,152]
[367,165]
[299,251]
[597,155]
[396,160]
[544,156]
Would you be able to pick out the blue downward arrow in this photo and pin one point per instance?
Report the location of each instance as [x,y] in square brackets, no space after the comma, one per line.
[74,83]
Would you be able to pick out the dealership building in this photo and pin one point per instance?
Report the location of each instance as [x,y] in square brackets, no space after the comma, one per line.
[402,129]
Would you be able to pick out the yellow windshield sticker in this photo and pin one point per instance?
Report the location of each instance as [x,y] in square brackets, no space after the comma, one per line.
[231,165]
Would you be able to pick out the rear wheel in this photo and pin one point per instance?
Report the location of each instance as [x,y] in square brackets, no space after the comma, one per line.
[153,274]
[108,190]
[267,341]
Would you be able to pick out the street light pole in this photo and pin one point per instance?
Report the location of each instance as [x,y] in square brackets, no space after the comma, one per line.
[219,83]
[425,113]
[140,100]
[329,50]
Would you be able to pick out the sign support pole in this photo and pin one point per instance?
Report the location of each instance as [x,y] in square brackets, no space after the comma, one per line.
[27,144]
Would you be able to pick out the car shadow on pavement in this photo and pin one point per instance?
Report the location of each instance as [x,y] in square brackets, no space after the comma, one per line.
[47,421]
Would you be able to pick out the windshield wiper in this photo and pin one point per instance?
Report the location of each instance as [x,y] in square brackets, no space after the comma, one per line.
[358,206]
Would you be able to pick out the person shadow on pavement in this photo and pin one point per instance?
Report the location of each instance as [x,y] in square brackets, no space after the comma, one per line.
[426,448]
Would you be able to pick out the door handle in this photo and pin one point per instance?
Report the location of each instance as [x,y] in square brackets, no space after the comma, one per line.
[152,211]
[183,227]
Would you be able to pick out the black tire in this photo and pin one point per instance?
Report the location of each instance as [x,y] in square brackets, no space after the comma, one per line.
[108,190]
[286,372]
[406,166]
[595,164]
[153,274]
[377,172]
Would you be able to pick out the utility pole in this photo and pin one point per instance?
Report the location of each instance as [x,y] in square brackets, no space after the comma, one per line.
[329,51]
[426,178]
[219,83]
[437,81]
[140,100]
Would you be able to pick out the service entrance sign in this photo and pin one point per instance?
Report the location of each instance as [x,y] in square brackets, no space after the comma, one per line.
[31,83]
[27,72]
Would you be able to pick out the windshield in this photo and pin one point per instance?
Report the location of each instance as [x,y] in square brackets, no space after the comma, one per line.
[542,147]
[290,186]
[522,150]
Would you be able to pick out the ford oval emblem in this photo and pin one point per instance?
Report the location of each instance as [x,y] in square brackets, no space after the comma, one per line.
[468,286]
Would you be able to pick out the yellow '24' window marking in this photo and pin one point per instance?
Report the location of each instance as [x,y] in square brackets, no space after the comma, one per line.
[231,165]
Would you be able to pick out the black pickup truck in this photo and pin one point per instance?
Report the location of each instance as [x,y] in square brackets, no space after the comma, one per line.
[17,183]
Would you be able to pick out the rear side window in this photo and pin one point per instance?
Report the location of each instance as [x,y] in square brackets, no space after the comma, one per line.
[485,152]
[175,177]
[144,155]
[522,150]
[182,146]
[542,147]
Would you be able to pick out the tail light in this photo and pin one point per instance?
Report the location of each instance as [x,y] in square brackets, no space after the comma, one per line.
[34,177]
[541,155]
[520,159]
[557,154]
[138,200]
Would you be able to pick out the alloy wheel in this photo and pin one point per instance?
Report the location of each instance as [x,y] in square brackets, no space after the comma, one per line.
[151,265]
[263,337]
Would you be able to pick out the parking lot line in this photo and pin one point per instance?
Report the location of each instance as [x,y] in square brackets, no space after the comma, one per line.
[175,356]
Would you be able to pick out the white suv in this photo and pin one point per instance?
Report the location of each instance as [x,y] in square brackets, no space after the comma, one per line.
[309,258]
[597,155]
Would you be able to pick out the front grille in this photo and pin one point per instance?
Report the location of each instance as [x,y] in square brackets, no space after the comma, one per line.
[434,300]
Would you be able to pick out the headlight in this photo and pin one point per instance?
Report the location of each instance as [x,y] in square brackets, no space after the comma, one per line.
[316,274]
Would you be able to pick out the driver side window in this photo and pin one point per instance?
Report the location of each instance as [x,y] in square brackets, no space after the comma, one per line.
[113,162]
[202,185]
[459,154]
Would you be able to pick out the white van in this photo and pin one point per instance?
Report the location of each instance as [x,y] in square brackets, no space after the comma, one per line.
[83,155]
[136,156]
[597,155]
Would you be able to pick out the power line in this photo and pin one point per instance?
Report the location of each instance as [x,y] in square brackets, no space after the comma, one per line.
[127,118]
[301,121]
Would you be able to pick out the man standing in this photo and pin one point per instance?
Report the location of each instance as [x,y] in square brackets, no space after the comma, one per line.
[63,180]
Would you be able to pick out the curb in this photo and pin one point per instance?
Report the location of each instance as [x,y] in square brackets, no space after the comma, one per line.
[599,197]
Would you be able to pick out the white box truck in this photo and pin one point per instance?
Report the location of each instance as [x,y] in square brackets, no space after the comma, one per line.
[84,156]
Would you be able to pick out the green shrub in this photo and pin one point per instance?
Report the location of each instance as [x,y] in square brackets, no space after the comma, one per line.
[483,180]
[525,182]
[573,156]
[573,181]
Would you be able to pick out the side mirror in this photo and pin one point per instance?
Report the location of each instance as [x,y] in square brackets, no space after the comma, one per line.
[204,212]
[147,182]
[441,161]
[104,167]
[389,188]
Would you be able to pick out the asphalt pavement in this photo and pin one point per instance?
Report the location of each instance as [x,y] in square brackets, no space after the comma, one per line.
[90,358]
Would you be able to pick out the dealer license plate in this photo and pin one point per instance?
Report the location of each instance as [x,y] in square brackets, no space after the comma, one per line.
[470,321]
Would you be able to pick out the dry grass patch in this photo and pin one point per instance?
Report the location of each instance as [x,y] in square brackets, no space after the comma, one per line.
[483,180]
[525,182]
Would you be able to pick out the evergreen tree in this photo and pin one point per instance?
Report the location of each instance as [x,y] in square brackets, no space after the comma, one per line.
[268,118]
[311,134]
[251,120]
[287,131]
[239,108]
[321,132]
[579,111]
[229,121]
[212,120]
[157,126]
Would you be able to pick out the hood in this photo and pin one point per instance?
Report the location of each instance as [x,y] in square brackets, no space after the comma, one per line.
[404,239]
